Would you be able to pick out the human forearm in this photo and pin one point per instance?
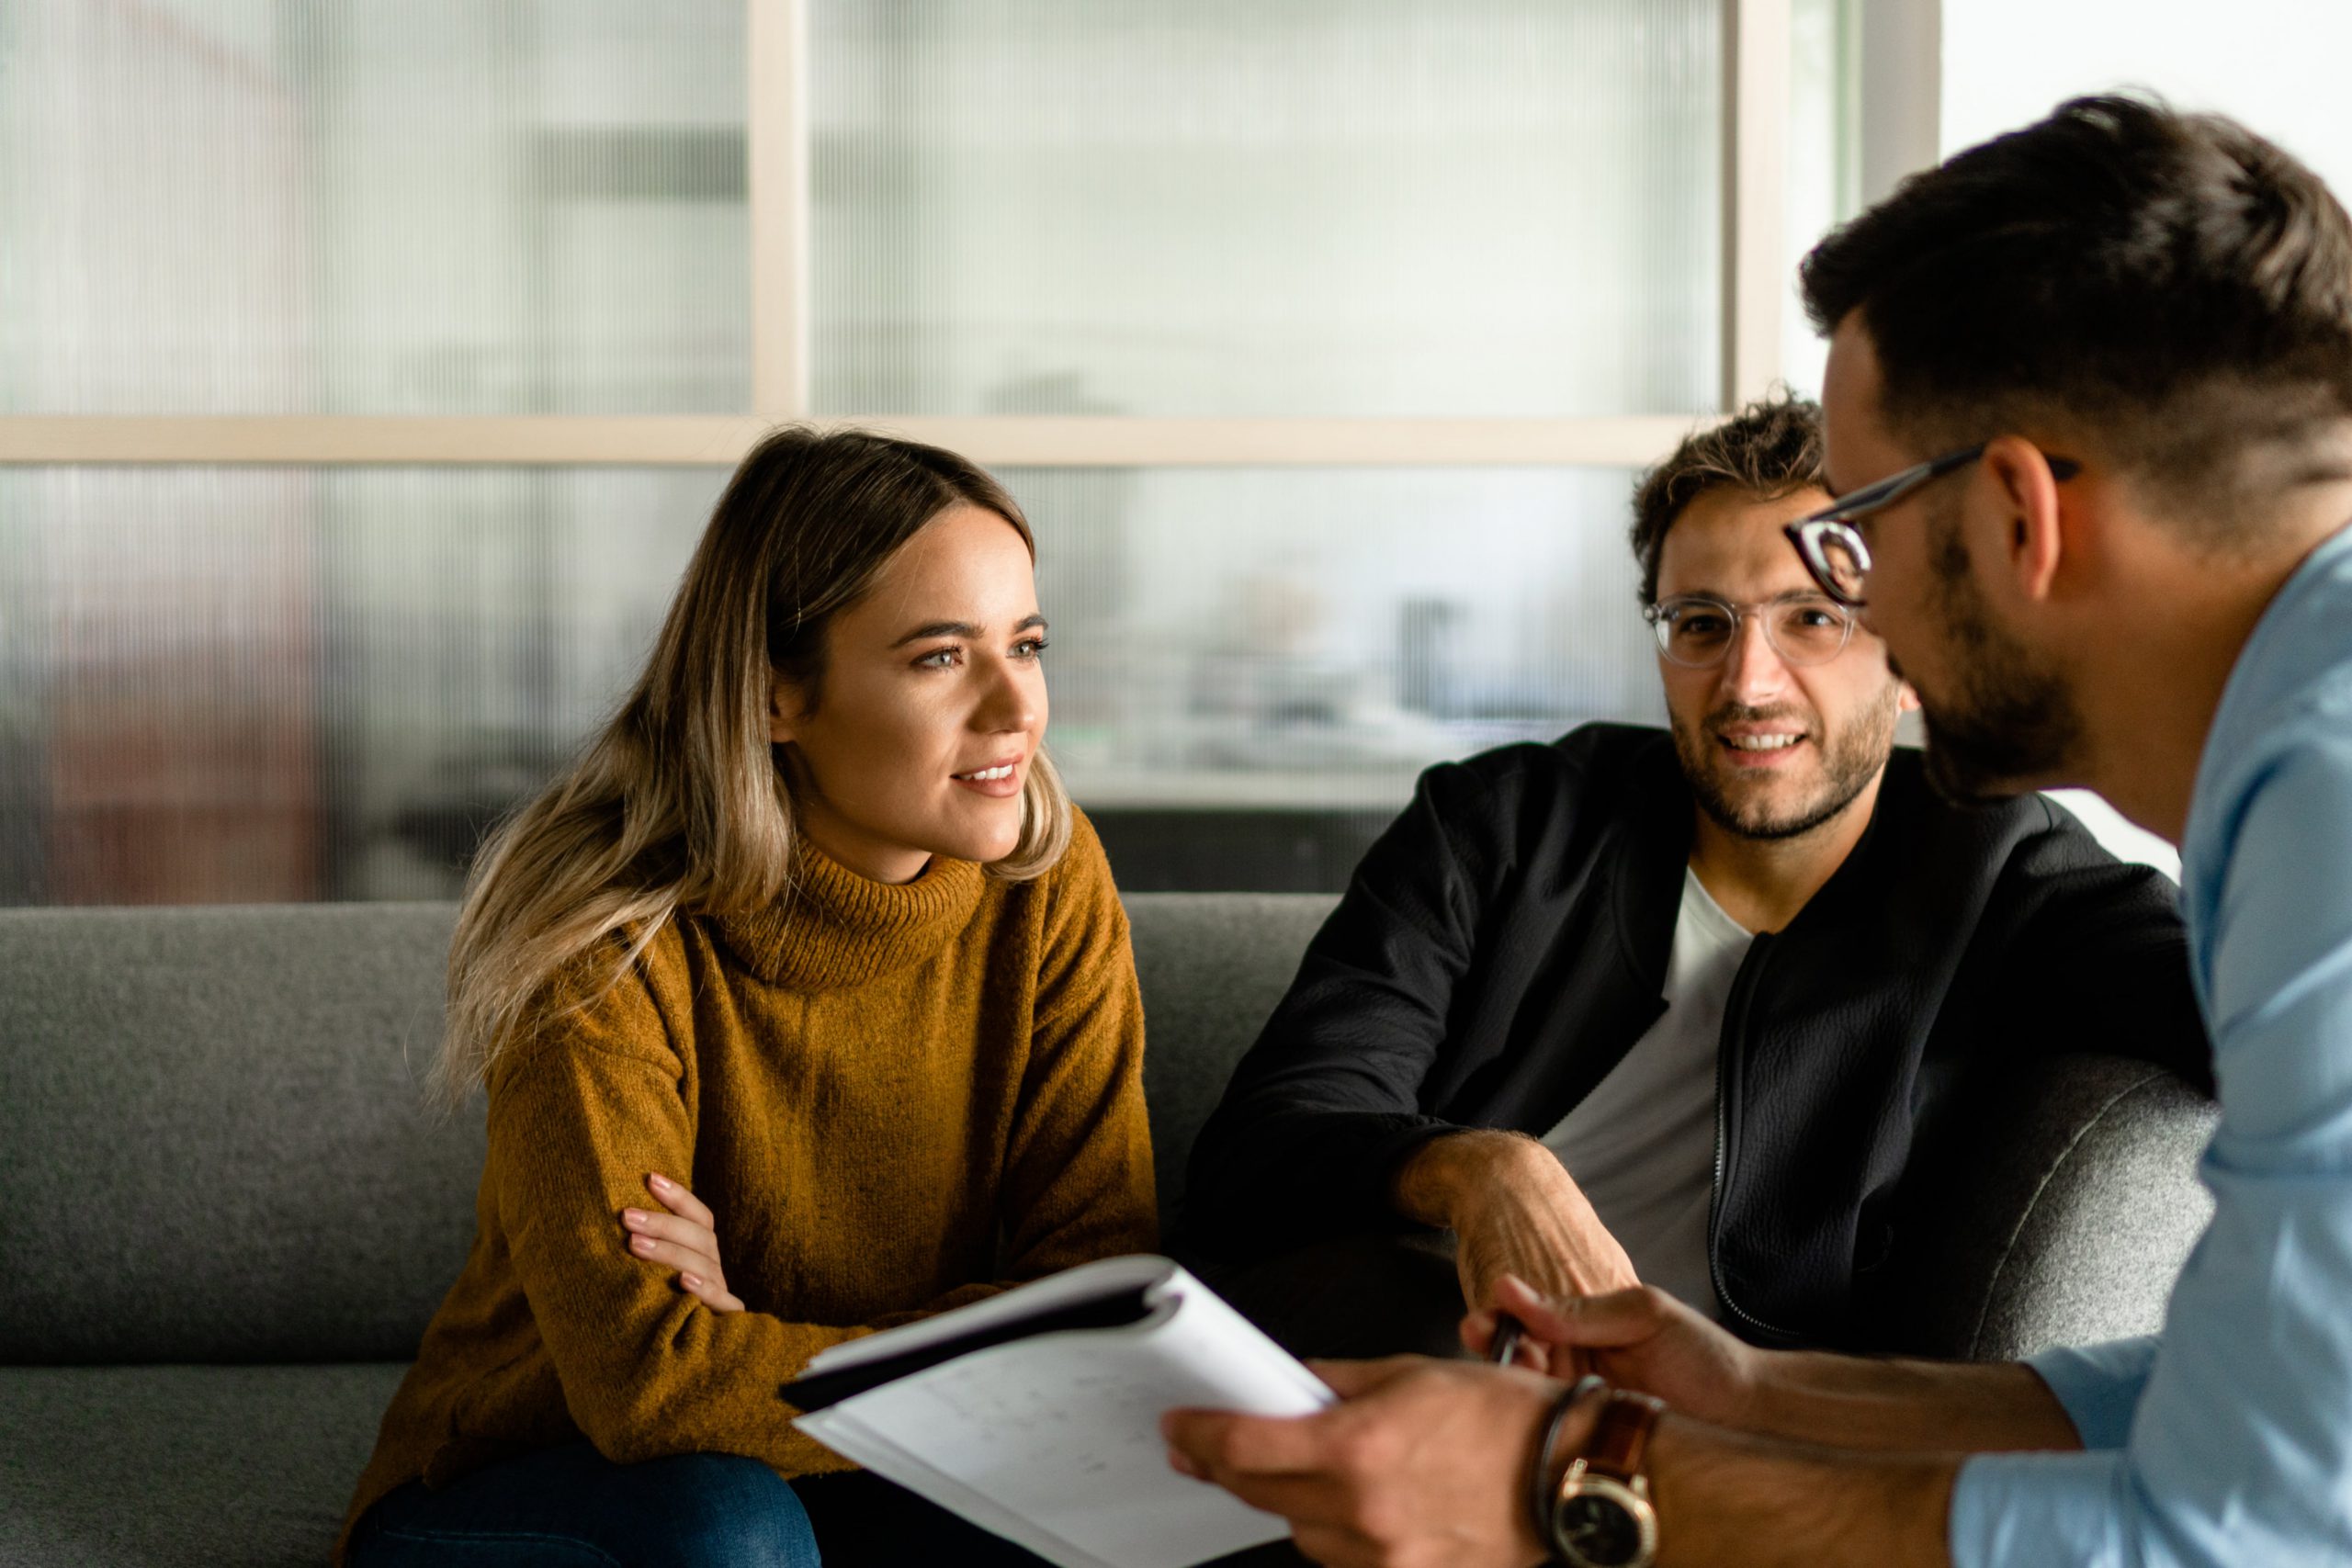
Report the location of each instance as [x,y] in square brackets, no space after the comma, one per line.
[1435,1180]
[649,1368]
[1645,1339]
[1425,1461]
[1854,1401]
[646,1368]
[1733,1500]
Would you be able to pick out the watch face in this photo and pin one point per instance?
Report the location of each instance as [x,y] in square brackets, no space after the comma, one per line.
[1600,1526]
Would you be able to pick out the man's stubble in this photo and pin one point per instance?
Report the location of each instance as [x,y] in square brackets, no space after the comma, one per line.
[2006,720]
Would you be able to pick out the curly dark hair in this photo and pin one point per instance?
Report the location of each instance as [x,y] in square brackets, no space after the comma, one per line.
[1771,448]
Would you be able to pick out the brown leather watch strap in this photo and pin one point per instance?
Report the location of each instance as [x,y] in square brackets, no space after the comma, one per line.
[1621,1434]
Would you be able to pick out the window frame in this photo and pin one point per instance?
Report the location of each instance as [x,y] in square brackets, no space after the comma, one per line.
[1756,87]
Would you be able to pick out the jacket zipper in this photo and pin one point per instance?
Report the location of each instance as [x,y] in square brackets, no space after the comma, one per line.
[1743,986]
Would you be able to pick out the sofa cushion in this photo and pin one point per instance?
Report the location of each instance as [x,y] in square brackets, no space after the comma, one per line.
[212,1136]
[126,1467]
[2052,1204]
[215,1148]
[1212,966]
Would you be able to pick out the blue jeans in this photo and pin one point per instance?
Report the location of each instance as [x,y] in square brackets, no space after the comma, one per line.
[571,1507]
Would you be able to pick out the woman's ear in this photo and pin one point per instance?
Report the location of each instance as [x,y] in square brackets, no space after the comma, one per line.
[785,711]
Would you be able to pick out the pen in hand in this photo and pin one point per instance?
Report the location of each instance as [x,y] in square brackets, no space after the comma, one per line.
[1508,1330]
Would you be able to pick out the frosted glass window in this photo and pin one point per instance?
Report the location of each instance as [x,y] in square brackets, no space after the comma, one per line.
[222,685]
[1228,207]
[263,684]
[1824,164]
[434,207]
[1312,639]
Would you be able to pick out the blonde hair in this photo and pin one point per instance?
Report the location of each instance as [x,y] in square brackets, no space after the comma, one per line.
[678,805]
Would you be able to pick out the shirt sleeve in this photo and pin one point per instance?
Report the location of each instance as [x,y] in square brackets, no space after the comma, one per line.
[2239,1447]
[2099,1385]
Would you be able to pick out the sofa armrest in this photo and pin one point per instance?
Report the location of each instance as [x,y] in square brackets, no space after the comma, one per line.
[2052,1207]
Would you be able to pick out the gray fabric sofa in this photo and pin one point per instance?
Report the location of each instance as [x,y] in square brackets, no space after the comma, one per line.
[224,1216]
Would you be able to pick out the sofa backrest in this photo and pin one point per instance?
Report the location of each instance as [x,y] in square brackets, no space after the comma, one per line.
[213,1146]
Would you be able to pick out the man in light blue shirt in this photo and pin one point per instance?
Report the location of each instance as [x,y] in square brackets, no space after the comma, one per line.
[2089,411]
[2229,1439]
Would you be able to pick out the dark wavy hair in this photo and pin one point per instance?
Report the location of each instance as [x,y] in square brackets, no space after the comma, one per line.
[1771,448]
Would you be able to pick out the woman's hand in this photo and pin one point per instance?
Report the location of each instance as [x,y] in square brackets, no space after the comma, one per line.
[684,1235]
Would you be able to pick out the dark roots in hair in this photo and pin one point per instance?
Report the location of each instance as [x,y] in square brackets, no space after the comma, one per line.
[1771,448]
[2171,286]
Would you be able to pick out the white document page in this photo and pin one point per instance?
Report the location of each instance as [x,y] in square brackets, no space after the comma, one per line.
[1053,1442]
[1088,1281]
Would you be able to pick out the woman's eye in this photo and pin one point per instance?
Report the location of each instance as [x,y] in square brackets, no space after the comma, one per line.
[1030,648]
[939,658]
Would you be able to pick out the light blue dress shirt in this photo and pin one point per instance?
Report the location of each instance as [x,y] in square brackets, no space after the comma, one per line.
[2227,1440]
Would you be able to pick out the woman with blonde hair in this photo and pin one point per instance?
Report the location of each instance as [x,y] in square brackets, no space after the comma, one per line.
[808,965]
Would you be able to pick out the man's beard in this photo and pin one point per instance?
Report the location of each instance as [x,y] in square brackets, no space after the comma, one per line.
[1850,760]
[2004,722]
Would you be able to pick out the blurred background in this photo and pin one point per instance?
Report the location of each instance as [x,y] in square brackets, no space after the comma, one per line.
[367,371]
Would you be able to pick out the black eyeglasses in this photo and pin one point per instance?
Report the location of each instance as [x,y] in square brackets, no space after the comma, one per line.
[1835,553]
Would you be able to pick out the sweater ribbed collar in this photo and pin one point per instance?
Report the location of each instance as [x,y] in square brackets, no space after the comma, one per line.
[834,928]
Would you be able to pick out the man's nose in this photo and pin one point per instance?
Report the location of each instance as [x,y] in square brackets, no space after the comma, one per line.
[1752,669]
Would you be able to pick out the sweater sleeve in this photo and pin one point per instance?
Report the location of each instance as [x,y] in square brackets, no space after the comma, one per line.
[578,1116]
[1078,1175]
[1327,1104]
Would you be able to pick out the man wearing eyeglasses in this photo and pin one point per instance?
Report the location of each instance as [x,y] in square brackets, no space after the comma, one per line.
[2090,409]
[1671,1007]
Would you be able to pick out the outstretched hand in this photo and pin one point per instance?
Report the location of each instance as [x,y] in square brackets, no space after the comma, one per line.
[1638,1339]
[684,1237]
[1422,1463]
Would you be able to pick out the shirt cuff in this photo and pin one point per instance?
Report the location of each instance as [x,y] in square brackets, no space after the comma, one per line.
[2037,1510]
[2098,1386]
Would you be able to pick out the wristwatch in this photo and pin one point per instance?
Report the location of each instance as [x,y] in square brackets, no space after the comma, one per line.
[1601,1516]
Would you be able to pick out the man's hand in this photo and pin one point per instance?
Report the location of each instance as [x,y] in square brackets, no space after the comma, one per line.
[1422,1463]
[1641,1338]
[1514,1210]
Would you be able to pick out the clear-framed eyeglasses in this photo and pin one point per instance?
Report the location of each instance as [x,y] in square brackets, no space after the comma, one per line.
[1697,630]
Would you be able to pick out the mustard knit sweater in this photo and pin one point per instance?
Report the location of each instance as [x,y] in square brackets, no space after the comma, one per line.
[896,1100]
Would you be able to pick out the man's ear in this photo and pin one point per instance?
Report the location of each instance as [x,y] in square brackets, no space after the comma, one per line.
[1906,699]
[2032,543]
[785,710]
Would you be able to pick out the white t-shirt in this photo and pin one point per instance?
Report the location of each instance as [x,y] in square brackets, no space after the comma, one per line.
[1642,1144]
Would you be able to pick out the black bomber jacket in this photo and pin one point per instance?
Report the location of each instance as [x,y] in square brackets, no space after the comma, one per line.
[1505,942]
